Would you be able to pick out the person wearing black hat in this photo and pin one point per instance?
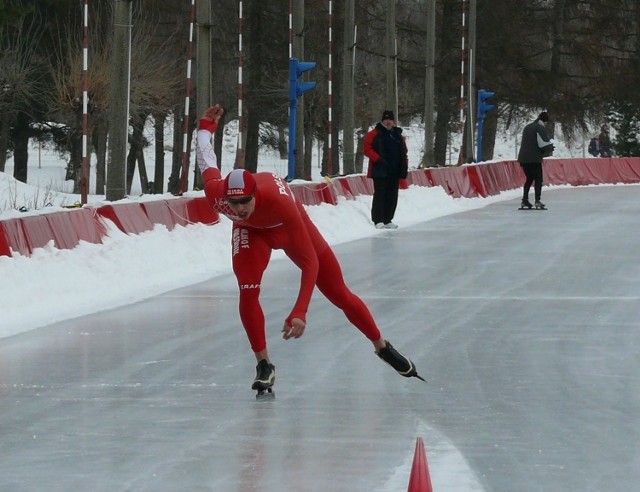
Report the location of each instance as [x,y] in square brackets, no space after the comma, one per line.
[534,146]
[386,149]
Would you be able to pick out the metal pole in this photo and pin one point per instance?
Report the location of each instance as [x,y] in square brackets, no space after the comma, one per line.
[240,152]
[462,56]
[330,95]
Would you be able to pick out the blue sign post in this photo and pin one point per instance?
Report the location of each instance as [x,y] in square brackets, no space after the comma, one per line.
[483,107]
[296,89]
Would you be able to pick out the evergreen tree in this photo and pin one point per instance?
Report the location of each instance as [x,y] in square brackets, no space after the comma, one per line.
[625,121]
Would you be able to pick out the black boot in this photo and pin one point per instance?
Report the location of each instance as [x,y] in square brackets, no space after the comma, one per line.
[526,203]
[265,375]
[401,363]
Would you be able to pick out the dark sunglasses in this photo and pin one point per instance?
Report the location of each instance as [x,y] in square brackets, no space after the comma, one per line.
[240,201]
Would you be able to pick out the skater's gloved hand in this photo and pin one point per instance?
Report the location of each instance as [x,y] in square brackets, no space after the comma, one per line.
[293,330]
[214,113]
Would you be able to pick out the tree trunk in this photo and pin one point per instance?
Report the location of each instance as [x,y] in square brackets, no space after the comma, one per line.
[75,156]
[142,169]
[173,186]
[21,135]
[4,142]
[308,152]
[282,143]
[158,175]
[489,134]
[99,141]
[218,140]
[135,149]
[360,134]
[251,149]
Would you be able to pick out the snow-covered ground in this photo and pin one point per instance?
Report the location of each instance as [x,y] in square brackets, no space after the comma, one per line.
[126,269]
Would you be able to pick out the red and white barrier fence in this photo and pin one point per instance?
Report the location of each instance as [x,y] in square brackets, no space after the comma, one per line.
[66,228]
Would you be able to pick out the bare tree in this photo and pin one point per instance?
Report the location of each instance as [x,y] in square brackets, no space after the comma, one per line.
[21,86]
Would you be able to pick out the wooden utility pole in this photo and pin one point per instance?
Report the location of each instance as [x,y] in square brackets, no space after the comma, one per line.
[471,83]
[119,107]
[348,165]
[429,158]
[391,99]
[203,67]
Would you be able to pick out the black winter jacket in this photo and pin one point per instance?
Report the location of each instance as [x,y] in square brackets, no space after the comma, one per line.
[532,148]
[387,152]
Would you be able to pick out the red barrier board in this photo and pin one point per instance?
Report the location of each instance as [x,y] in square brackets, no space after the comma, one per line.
[37,231]
[128,217]
[158,212]
[64,233]
[15,237]
[5,248]
[88,225]
[179,211]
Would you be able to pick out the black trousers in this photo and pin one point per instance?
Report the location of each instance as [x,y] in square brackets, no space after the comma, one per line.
[385,199]
[533,172]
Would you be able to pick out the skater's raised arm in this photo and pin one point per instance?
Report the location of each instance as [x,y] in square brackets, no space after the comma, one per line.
[207,161]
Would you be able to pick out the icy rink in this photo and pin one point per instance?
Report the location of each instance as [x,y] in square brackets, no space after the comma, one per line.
[524,323]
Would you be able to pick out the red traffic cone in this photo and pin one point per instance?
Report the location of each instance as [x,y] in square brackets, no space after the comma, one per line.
[419,480]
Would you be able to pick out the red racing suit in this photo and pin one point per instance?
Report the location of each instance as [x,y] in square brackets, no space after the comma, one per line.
[279,221]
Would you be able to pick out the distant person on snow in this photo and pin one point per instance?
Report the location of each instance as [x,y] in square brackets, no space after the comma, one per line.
[266,216]
[605,142]
[534,146]
[386,149]
[594,147]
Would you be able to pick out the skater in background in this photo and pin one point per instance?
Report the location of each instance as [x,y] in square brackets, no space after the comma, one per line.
[594,146]
[386,149]
[534,146]
[266,216]
[605,142]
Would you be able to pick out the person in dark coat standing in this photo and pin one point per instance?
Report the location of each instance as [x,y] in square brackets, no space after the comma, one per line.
[386,149]
[534,146]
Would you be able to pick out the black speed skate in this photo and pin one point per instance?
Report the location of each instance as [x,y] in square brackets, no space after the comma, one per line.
[401,363]
[540,205]
[525,205]
[265,377]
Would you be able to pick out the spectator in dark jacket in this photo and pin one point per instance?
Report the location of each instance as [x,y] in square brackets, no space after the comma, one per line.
[386,149]
[605,142]
[594,146]
[534,146]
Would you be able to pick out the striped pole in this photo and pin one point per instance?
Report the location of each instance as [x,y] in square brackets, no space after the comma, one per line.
[330,96]
[240,152]
[290,28]
[185,155]
[462,56]
[462,154]
[84,180]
